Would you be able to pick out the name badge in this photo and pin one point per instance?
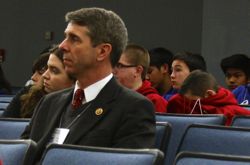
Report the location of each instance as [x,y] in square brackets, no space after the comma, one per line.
[60,135]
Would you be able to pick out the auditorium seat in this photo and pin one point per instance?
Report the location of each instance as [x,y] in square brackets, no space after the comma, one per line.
[179,123]
[66,154]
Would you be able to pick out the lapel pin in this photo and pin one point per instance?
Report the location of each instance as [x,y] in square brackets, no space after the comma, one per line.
[98,111]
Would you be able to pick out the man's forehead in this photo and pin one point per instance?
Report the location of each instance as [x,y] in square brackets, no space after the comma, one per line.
[73,27]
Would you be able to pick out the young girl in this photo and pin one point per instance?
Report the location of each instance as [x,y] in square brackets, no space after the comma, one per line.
[53,79]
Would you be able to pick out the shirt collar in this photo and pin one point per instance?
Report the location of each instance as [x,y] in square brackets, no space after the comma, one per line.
[93,90]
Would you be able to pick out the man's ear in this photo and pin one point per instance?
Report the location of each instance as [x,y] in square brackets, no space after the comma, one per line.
[104,51]
[139,70]
[209,93]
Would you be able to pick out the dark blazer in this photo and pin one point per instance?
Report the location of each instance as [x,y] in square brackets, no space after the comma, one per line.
[127,121]
[13,109]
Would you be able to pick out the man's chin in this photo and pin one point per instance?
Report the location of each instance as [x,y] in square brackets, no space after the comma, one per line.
[47,90]
[70,72]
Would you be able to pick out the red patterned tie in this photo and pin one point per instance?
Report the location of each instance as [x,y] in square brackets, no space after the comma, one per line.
[77,100]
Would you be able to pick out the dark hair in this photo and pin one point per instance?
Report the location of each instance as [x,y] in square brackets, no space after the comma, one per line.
[198,82]
[160,56]
[239,61]
[30,99]
[138,55]
[104,27]
[59,54]
[194,61]
[40,63]
[47,49]
[57,51]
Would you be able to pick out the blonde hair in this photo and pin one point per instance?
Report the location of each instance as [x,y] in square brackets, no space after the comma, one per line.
[30,100]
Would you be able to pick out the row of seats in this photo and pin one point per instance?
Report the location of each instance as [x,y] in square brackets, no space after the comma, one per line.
[4,102]
[17,152]
[173,130]
[20,152]
[217,144]
[207,134]
[6,98]
[179,124]
[195,158]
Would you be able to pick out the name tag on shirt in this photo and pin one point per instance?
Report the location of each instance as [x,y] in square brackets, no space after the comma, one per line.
[59,135]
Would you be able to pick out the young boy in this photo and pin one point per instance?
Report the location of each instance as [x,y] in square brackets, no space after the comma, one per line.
[159,71]
[201,94]
[131,71]
[236,69]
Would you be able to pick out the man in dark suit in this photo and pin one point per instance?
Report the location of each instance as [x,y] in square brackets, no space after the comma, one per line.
[109,115]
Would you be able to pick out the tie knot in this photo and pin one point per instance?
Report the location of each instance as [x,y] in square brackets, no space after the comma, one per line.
[78,98]
[79,93]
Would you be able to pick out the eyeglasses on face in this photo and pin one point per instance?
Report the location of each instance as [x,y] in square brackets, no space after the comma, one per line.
[120,65]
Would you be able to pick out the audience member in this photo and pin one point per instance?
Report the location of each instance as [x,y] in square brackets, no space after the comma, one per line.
[184,63]
[5,86]
[56,78]
[108,115]
[38,68]
[242,94]
[160,70]
[41,63]
[236,69]
[45,81]
[201,94]
[131,72]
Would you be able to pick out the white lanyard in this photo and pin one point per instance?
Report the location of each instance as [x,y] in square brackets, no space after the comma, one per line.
[198,101]
[75,119]
[60,134]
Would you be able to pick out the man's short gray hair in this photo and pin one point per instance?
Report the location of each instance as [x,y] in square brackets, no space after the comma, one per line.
[104,27]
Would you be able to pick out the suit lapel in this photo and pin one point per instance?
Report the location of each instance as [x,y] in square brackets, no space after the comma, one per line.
[96,111]
[56,112]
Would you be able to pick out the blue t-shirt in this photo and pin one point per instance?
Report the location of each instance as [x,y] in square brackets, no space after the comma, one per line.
[170,93]
[242,94]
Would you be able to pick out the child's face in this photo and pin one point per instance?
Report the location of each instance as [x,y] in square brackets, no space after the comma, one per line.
[180,71]
[55,77]
[37,78]
[157,76]
[127,73]
[235,77]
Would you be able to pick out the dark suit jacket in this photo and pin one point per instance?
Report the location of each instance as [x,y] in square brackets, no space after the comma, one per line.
[13,109]
[127,121]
